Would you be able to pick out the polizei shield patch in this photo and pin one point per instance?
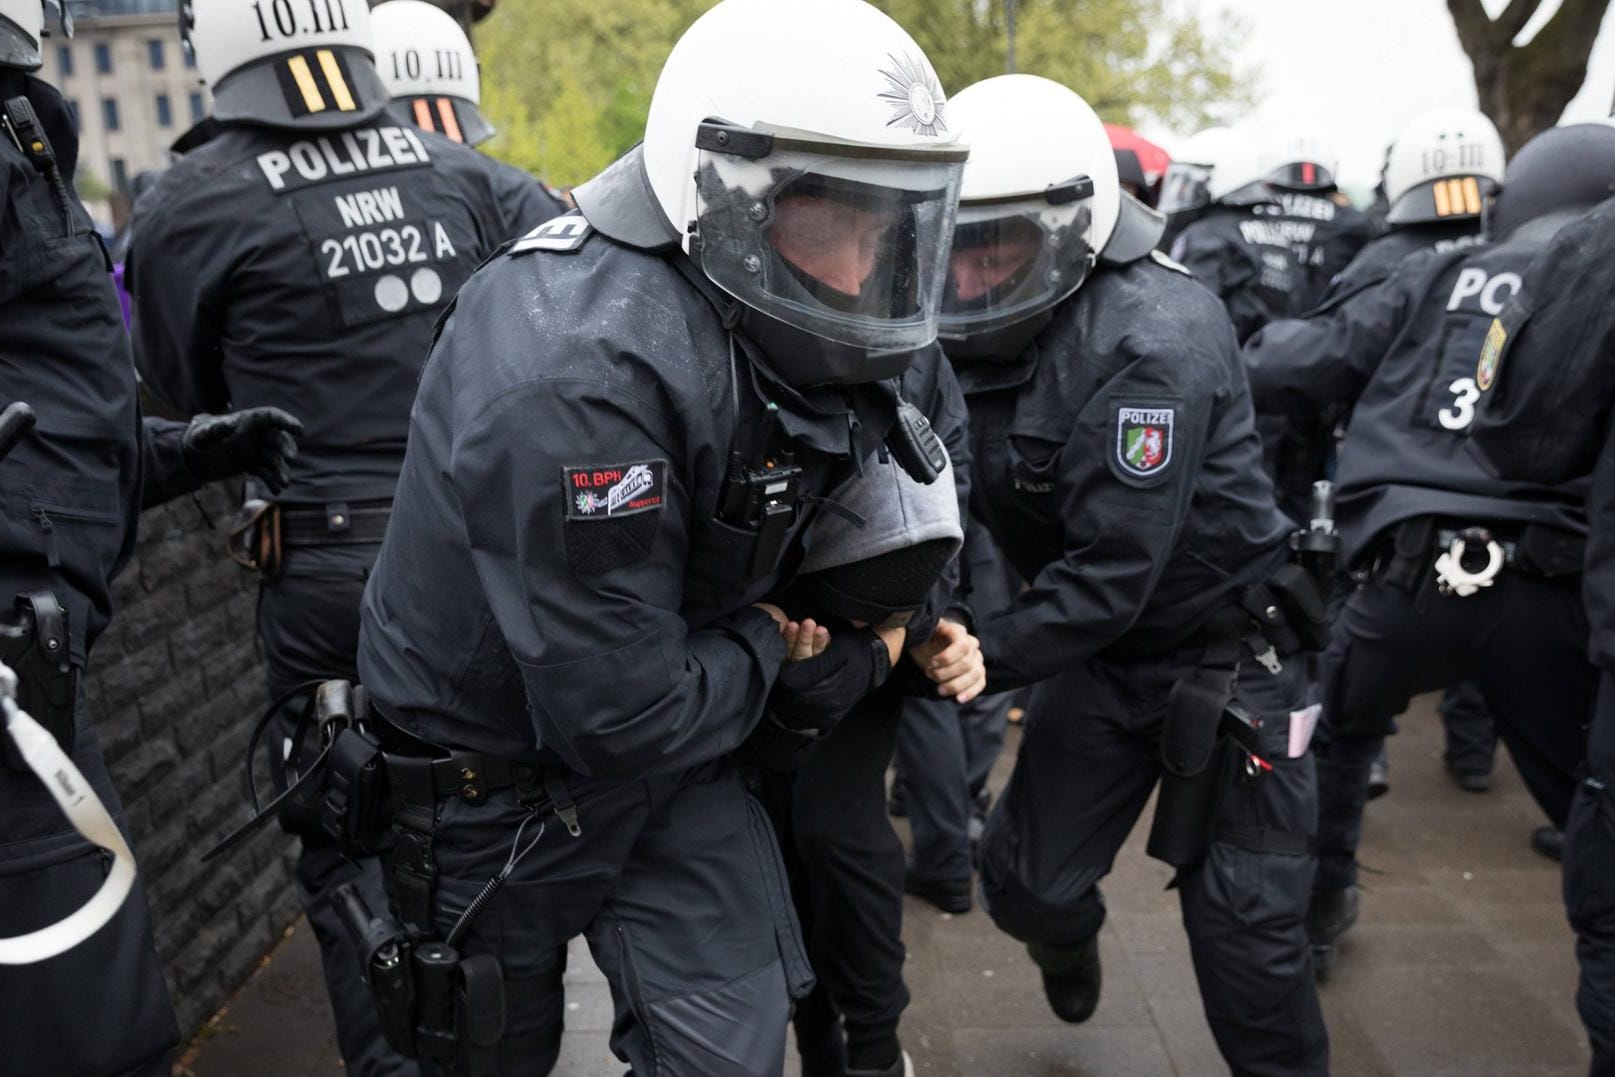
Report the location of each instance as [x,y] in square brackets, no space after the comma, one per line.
[615,490]
[1144,440]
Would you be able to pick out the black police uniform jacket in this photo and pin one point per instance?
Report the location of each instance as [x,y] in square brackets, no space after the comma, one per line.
[1402,355]
[1247,261]
[1116,465]
[70,495]
[1326,235]
[1547,410]
[1384,253]
[304,270]
[555,575]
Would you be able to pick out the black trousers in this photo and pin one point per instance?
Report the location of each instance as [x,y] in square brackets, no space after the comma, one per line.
[308,619]
[677,885]
[1589,881]
[1523,641]
[1089,758]
[846,868]
[102,1008]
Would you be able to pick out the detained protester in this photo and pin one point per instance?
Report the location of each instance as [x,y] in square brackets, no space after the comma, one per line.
[628,422]
[1544,417]
[432,75]
[1228,234]
[1462,576]
[1116,464]
[80,986]
[1439,173]
[298,256]
[827,795]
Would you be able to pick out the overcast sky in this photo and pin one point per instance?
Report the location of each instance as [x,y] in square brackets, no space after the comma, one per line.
[1363,68]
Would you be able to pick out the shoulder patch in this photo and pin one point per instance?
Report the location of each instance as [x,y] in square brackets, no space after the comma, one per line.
[1491,354]
[565,233]
[615,490]
[1163,260]
[1144,433]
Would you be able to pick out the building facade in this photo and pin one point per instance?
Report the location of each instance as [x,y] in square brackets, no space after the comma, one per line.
[132,89]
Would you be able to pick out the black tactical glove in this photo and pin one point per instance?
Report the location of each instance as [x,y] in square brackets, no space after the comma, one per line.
[261,442]
[812,695]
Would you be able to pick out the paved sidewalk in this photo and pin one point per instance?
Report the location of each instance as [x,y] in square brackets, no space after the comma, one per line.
[1461,966]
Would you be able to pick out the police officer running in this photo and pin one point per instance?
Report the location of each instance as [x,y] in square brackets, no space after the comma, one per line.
[1116,465]
[76,466]
[625,427]
[425,60]
[1463,576]
[1544,417]
[299,256]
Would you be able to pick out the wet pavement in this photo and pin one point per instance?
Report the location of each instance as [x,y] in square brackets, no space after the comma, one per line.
[1461,965]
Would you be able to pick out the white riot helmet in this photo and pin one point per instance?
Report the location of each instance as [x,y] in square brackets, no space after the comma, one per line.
[1299,158]
[803,153]
[1039,205]
[1219,164]
[22,27]
[425,61]
[285,63]
[1443,166]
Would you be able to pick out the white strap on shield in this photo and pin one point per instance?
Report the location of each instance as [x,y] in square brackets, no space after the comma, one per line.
[89,817]
[1453,578]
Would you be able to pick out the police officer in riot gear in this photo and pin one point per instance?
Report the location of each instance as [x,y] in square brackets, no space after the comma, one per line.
[71,487]
[298,256]
[627,422]
[1464,577]
[426,63]
[1116,465]
[1300,169]
[1544,417]
[1439,172]
[1229,234]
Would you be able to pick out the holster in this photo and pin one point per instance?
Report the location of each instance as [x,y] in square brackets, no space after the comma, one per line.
[1551,552]
[1301,621]
[34,642]
[1194,755]
[254,538]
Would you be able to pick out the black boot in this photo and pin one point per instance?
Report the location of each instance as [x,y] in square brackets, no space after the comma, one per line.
[949,895]
[1549,841]
[1328,917]
[1071,978]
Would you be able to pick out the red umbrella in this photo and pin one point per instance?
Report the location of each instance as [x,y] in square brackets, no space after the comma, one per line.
[1151,158]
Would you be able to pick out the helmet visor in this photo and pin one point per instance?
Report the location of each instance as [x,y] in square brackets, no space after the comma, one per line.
[846,244]
[19,48]
[1303,176]
[1185,187]
[1011,261]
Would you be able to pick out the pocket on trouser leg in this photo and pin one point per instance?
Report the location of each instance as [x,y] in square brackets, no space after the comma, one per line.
[1244,909]
[737,1030]
[787,930]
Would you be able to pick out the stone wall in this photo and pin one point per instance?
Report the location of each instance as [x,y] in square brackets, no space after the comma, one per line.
[175,687]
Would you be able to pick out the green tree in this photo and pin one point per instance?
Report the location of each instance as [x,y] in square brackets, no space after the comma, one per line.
[568,82]
[1130,59]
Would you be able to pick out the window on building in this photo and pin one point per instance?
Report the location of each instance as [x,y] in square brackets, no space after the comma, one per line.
[109,113]
[190,58]
[103,58]
[73,111]
[64,60]
[165,113]
[120,174]
[196,108]
[154,51]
